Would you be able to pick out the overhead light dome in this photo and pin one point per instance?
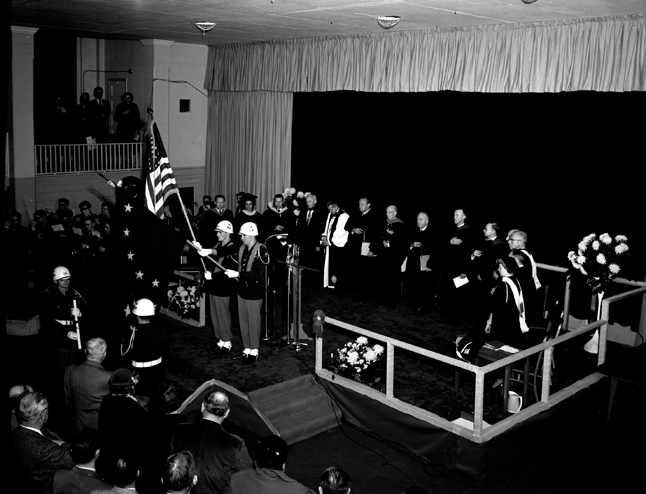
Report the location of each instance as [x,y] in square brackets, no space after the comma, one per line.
[388,21]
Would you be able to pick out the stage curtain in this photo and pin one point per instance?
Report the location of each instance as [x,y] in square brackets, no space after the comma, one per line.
[248,144]
[599,54]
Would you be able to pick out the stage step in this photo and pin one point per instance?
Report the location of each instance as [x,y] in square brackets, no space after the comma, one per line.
[298,409]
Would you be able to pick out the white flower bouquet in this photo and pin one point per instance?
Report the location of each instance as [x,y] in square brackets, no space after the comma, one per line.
[360,361]
[183,299]
[599,259]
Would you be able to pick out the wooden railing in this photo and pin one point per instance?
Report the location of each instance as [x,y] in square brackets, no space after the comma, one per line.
[54,159]
[479,433]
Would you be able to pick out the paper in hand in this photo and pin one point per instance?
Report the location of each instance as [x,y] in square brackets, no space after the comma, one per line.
[460,281]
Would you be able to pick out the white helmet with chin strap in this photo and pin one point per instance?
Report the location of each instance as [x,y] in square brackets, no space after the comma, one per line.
[61,272]
[224,226]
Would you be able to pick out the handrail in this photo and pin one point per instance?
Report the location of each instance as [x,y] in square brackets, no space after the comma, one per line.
[59,159]
[480,372]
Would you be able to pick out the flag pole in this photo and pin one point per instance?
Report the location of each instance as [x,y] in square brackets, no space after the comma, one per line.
[190,228]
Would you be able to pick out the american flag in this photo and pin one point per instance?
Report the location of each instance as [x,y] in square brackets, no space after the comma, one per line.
[160,182]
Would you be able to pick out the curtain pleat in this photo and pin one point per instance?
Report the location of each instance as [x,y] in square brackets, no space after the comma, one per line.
[600,54]
[248,144]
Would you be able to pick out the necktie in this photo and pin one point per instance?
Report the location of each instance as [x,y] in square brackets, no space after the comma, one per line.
[309,216]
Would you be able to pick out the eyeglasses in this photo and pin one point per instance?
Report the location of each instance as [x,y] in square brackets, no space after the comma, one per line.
[514,239]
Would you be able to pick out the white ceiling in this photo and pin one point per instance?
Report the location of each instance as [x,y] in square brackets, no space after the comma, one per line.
[260,20]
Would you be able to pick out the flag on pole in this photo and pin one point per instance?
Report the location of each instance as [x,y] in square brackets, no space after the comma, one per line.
[160,182]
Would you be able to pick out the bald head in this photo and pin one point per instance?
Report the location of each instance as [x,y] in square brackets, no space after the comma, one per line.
[216,406]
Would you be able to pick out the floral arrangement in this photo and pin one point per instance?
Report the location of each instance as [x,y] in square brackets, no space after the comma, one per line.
[182,299]
[359,361]
[599,259]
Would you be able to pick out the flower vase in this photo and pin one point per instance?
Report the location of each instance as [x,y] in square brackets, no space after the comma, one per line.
[592,346]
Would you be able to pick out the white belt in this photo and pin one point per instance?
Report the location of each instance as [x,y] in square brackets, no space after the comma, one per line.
[152,363]
[64,323]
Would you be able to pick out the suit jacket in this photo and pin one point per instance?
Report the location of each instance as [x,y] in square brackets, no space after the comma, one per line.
[38,457]
[218,454]
[122,420]
[99,119]
[85,386]
[372,225]
[485,264]
[78,481]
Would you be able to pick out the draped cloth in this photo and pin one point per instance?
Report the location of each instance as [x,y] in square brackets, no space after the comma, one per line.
[251,84]
[249,143]
[593,54]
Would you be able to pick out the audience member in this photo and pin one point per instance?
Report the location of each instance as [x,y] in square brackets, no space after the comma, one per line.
[334,240]
[120,468]
[218,455]
[83,119]
[15,393]
[64,215]
[180,474]
[86,385]
[99,116]
[207,204]
[37,451]
[60,123]
[122,419]
[268,476]
[334,481]
[128,119]
[82,478]
[209,220]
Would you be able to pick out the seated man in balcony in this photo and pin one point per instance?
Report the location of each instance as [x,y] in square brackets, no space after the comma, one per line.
[64,214]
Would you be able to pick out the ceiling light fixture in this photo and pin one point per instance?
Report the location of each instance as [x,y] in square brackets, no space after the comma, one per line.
[388,21]
[205,27]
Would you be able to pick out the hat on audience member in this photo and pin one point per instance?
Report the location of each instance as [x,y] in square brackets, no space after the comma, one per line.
[121,377]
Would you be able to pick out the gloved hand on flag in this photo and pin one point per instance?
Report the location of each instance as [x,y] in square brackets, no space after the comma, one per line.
[231,273]
[208,275]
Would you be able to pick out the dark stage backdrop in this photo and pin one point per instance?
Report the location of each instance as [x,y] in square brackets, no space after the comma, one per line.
[558,166]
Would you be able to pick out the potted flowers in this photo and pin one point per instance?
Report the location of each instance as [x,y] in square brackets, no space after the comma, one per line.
[597,261]
[361,362]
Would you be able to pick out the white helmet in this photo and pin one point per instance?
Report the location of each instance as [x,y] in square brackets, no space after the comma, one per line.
[144,307]
[224,226]
[249,228]
[61,272]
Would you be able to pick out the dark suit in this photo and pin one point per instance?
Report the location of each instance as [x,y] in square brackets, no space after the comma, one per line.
[364,269]
[99,119]
[78,481]
[38,457]
[85,386]
[421,284]
[122,420]
[391,257]
[308,236]
[218,454]
[457,261]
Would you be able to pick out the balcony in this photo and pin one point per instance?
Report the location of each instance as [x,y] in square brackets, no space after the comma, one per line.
[58,159]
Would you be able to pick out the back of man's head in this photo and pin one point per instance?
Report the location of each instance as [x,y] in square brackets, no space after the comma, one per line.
[334,481]
[179,472]
[271,453]
[30,406]
[120,466]
[95,349]
[85,447]
[16,392]
[216,403]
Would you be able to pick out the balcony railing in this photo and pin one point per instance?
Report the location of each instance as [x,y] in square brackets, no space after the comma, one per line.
[54,159]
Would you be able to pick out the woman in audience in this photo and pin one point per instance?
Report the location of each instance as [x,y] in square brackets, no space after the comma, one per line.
[126,114]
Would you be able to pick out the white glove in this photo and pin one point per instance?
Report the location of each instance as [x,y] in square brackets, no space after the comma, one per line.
[75,312]
[231,273]
[205,252]
[208,275]
[197,245]
[72,335]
